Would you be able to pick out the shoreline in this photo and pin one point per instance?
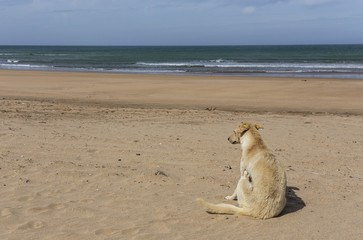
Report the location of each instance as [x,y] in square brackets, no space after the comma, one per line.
[309,75]
[227,93]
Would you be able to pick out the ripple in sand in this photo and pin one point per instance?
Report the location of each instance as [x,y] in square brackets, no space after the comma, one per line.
[107,231]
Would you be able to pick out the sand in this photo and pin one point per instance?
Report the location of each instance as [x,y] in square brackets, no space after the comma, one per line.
[112,156]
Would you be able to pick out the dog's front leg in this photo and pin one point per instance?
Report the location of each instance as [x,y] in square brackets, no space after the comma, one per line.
[233,196]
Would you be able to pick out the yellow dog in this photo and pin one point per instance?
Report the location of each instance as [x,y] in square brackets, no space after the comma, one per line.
[261,189]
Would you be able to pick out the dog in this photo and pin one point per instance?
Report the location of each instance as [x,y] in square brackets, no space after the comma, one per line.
[261,189]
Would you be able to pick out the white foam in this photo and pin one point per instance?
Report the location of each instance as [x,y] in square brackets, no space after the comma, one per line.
[21,66]
[217,61]
[166,64]
[12,61]
[119,70]
[141,70]
[231,64]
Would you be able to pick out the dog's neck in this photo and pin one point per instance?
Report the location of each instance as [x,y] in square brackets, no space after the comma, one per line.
[251,140]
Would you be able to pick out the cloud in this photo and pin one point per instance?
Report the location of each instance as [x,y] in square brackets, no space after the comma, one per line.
[249,9]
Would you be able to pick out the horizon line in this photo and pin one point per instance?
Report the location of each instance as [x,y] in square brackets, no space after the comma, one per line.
[170,45]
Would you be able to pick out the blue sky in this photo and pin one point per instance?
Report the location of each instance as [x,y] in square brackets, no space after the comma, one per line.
[180,22]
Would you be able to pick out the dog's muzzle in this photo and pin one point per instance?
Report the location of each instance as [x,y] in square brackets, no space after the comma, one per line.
[233,142]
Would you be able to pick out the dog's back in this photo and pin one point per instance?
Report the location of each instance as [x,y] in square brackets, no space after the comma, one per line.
[267,198]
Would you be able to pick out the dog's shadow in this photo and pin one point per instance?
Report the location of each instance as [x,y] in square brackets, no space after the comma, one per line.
[294,203]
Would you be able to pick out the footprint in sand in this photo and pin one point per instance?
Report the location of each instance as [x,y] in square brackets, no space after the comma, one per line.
[32,225]
[92,150]
[106,231]
[25,199]
[44,193]
[88,201]
[56,206]
[81,212]
[38,210]
[52,206]
[128,231]
[5,212]
[66,190]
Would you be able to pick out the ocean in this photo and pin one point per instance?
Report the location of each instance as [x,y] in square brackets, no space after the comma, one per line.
[325,61]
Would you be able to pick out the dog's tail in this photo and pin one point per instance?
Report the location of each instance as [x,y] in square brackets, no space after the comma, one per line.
[222,208]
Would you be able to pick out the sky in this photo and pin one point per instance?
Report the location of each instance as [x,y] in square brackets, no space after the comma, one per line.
[180,22]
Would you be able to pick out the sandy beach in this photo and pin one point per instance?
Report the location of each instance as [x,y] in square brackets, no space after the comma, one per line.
[118,156]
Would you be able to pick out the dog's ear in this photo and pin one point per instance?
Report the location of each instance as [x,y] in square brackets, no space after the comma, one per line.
[258,126]
[243,127]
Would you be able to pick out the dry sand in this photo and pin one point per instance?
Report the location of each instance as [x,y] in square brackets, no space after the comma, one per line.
[109,156]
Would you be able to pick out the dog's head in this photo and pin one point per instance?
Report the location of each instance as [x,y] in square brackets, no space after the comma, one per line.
[241,130]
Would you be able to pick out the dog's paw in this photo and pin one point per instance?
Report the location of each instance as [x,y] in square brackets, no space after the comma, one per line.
[230,197]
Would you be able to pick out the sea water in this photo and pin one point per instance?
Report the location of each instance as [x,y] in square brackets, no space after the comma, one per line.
[332,61]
